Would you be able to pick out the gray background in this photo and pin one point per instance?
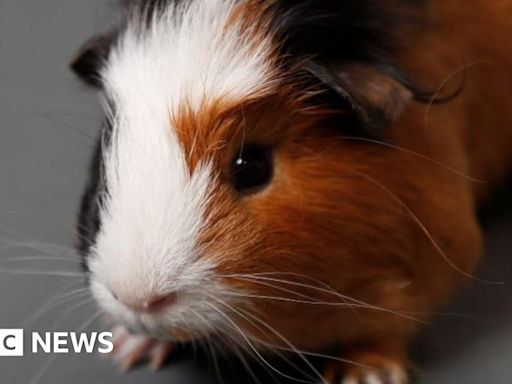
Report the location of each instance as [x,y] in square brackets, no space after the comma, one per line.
[47,125]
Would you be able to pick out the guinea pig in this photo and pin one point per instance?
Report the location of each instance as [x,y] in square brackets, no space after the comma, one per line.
[291,175]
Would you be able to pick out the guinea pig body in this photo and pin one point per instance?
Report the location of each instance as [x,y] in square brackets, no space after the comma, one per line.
[270,176]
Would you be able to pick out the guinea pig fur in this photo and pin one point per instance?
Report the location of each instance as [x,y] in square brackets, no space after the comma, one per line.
[293,175]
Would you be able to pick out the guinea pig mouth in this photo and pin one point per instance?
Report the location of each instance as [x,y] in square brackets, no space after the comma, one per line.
[175,325]
[159,332]
[164,329]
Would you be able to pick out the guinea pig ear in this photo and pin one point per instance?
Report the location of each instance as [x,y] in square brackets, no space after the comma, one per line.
[376,97]
[91,58]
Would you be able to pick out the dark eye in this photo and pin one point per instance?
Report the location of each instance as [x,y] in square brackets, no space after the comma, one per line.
[252,168]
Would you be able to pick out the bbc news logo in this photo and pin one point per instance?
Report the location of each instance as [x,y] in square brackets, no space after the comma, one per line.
[12,342]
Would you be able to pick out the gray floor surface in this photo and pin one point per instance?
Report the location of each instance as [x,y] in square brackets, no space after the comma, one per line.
[47,125]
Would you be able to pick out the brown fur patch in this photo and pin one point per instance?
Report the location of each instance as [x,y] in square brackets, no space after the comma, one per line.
[364,219]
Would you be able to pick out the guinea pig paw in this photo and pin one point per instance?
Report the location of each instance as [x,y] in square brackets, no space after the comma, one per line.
[131,350]
[386,373]
[376,377]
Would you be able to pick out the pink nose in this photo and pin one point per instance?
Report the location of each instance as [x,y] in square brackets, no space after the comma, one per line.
[154,304]
[159,303]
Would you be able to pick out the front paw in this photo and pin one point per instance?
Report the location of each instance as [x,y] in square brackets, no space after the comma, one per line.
[368,369]
[131,350]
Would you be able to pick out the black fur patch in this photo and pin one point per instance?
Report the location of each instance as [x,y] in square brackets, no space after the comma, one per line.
[338,30]
[89,221]
[92,57]
[319,38]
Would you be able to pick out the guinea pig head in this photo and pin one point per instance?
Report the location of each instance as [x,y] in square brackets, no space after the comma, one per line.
[223,196]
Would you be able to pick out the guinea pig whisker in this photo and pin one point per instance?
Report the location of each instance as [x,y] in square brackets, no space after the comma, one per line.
[40,247]
[239,331]
[319,303]
[462,69]
[301,276]
[243,359]
[225,351]
[82,137]
[240,348]
[417,154]
[268,284]
[214,359]
[285,299]
[64,316]
[314,354]
[205,341]
[62,297]
[244,315]
[82,237]
[282,356]
[308,298]
[294,274]
[212,353]
[302,353]
[320,283]
[356,303]
[251,345]
[456,315]
[276,349]
[41,273]
[424,229]
[38,258]
[239,354]
[44,369]
[234,345]
[72,229]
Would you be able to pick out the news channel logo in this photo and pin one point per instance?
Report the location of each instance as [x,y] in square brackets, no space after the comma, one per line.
[11,342]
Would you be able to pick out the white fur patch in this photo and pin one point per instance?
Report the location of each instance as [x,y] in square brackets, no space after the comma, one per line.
[154,211]
[190,53]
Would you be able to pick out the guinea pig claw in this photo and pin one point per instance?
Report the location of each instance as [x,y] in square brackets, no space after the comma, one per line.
[136,354]
[131,350]
[375,370]
[374,377]
[159,356]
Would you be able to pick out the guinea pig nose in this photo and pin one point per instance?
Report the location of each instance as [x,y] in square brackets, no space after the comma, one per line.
[152,304]
[159,303]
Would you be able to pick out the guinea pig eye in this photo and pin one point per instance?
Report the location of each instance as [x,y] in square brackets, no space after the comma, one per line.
[252,168]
